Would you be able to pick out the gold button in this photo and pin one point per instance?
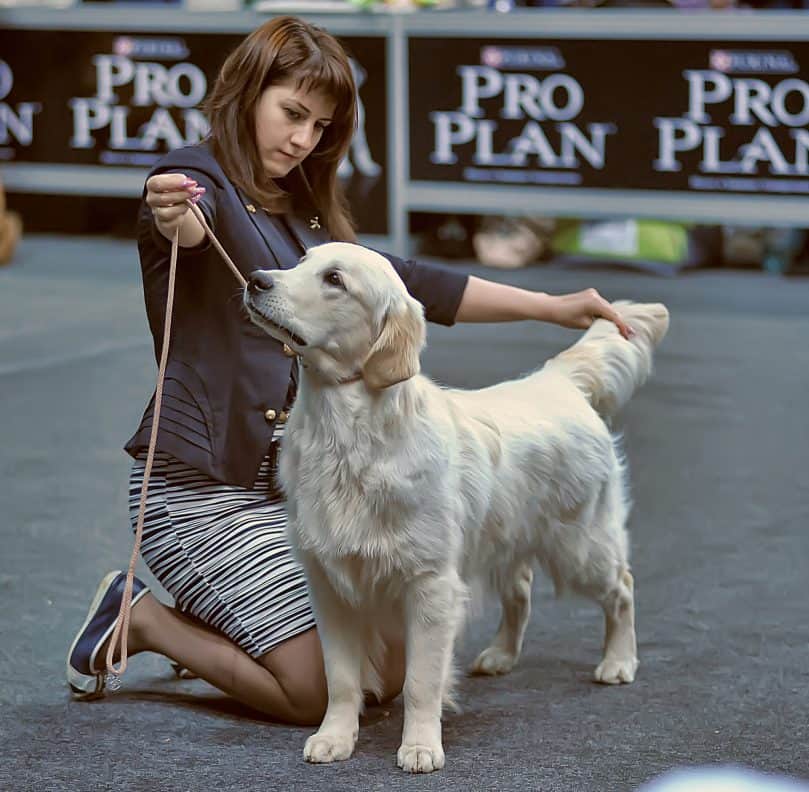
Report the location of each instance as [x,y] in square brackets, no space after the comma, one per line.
[270,415]
[250,208]
[282,416]
[289,351]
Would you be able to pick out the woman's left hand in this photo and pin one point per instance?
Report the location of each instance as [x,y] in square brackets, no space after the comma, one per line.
[580,309]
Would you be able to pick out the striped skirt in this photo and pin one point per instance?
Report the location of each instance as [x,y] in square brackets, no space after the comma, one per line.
[221,552]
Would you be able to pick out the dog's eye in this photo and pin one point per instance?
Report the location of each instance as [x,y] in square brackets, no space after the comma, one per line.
[333,278]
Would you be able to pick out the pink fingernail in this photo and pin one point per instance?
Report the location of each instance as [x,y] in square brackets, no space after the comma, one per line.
[199,190]
[189,183]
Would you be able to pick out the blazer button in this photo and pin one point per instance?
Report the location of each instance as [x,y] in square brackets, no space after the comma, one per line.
[270,415]
[282,416]
[289,351]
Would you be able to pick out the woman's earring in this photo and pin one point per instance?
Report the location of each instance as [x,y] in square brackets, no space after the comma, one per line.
[314,223]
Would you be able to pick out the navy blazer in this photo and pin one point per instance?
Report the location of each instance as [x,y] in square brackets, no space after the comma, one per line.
[227,381]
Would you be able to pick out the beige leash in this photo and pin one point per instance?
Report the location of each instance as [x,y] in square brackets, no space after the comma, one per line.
[122,622]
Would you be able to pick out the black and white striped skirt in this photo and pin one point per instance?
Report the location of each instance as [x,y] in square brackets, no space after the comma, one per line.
[221,552]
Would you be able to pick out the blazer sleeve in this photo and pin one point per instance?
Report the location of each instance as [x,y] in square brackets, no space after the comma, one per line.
[438,288]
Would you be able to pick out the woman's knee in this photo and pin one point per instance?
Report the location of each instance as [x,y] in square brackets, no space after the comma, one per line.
[394,675]
[297,665]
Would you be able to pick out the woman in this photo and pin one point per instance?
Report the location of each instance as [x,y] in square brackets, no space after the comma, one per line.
[282,113]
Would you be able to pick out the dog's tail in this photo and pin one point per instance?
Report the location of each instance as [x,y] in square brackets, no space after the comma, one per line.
[606,367]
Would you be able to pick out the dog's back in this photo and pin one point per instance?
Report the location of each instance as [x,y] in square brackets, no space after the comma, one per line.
[551,420]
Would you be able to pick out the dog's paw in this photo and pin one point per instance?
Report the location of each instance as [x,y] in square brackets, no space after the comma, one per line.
[615,670]
[325,748]
[493,660]
[420,758]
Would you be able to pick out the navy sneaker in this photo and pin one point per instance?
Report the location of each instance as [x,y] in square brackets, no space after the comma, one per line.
[85,678]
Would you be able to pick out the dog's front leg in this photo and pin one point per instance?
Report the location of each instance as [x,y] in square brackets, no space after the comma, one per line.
[340,634]
[433,608]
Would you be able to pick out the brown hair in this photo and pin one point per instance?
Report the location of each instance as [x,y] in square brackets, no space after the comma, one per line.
[281,49]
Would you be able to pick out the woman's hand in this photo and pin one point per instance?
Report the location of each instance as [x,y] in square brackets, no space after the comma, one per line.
[166,195]
[580,309]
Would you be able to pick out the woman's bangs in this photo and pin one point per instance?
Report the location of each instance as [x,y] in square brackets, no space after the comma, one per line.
[325,76]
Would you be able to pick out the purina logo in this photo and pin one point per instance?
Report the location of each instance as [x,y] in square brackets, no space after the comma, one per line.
[753,62]
[536,58]
[159,48]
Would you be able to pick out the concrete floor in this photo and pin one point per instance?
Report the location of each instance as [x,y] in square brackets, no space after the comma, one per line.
[718,445]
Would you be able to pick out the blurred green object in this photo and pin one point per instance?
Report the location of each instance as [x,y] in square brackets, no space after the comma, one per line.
[623,240]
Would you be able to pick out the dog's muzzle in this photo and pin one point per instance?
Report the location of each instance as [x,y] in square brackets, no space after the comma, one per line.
[259,285]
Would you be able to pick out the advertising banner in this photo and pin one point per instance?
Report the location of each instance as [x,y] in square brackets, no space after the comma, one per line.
[715,116]
[102,98]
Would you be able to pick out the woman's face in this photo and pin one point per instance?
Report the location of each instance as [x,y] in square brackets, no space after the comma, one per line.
[289,124]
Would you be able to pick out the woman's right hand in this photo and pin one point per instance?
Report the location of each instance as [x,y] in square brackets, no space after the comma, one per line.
[166,195]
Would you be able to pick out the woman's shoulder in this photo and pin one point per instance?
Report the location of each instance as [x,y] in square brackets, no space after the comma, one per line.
[198,157]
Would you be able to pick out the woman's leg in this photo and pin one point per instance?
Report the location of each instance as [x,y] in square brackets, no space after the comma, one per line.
[287,684]
[297,661]
[154,627]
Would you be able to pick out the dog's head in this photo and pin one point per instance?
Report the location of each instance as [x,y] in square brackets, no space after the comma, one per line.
[345,311]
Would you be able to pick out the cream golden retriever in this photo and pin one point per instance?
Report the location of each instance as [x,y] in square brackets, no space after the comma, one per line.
[405,497]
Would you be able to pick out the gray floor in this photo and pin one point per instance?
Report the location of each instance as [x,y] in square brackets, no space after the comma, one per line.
[718,444]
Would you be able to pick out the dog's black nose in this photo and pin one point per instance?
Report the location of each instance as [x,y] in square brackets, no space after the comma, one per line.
[260,281]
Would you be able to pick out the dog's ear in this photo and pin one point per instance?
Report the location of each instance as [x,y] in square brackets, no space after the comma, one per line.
[394,357]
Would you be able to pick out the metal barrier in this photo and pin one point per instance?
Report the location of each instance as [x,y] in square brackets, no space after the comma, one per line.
[691,115]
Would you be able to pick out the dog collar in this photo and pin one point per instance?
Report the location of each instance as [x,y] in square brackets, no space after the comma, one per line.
[346,380]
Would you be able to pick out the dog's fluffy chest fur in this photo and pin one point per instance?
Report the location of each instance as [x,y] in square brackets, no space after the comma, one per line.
[356,480]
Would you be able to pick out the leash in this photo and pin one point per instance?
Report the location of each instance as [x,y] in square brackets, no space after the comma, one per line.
[119,634]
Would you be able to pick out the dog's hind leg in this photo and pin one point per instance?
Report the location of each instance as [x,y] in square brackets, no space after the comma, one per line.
[588,553]
[609,553]
[596,565]
[515,596]
[607,580]
[620,648]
